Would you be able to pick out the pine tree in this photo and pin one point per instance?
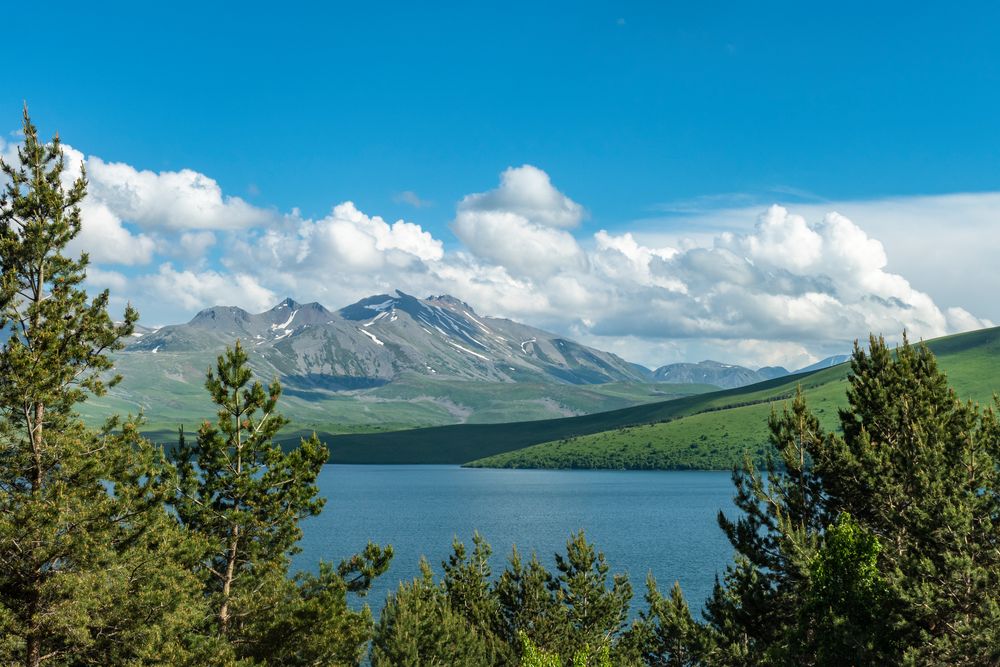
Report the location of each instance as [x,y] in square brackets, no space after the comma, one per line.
[595,614]
[527,604]
[874,546]
[246,497]
[775,536]
[918,469]
[469,589]
[573,614]
[418,626]
[665,634]
[81,512]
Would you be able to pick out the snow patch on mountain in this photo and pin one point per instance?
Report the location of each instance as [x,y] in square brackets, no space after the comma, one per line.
[372,336]
[275,327]
[465,349]
[381,306]
[378,317]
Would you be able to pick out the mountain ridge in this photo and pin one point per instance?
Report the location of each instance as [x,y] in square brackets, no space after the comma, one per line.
[384,362]
[439,335]
[383,336]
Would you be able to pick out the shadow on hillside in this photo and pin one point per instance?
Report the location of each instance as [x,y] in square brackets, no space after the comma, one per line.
[308,385]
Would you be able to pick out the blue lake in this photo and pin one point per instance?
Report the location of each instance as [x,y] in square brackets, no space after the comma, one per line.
[659,522]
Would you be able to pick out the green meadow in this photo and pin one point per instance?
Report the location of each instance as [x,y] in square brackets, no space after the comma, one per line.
[706,431]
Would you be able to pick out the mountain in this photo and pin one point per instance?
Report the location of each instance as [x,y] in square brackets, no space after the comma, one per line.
[385,337]
[390,362]
[727,376]
[387,362]
[771,372]
[826,363]
[731,376]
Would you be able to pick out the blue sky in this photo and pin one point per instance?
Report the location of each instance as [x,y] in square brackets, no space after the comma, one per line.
[634,110]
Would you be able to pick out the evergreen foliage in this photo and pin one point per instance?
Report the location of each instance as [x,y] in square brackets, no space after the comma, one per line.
[532,656]
[873,546]
[108,553]
[525,614]
[418,627]
[245,497]
[91,567]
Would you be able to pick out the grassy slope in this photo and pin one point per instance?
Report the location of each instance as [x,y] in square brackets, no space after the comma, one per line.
[465,442]
[169,389]
[721,425]
[719,438]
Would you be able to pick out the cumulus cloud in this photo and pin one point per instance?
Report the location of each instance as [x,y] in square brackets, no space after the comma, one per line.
[777,287]
[518,225]
[173,200]
[787,291]
[525,248]
[346,240]
[787,279]
[960,227]
[195,244]
[104,235]
[527,191]
[197,290]
[110,280]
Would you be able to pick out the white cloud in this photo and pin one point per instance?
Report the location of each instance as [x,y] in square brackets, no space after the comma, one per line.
[195,244]
[124,204]
[194,291]
[784,241]
[104,236]
[512,241]
[786,292]
[787,289]
[527,191]
[517,225]
[792,280]
[401,235]
[935,241]
[111,280]
[346,241]
[173,200]
[622,258]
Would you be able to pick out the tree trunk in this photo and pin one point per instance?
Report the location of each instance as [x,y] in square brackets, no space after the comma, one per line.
[234,535]
[33,652]
[227,581]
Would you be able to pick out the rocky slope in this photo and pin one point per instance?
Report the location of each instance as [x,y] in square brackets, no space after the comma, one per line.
[383,337]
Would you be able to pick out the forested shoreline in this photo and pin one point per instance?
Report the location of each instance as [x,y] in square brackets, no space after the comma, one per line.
[872,543]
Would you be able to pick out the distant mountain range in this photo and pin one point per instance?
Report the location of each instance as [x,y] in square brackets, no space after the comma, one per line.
[383,337]
[378,339]
[826,363]
[727,376]
[393,361]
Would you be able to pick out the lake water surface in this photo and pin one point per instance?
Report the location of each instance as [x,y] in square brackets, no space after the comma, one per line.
[663,521]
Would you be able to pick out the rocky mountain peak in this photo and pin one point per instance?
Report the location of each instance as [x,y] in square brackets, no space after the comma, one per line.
[220,314]
[447,299]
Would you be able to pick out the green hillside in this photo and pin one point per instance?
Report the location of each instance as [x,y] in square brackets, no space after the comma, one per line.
[169,389]
[716,439]
[709,431]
